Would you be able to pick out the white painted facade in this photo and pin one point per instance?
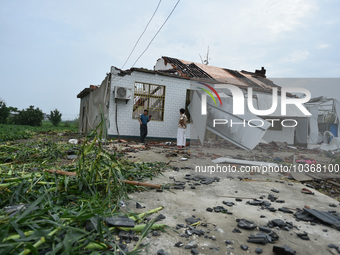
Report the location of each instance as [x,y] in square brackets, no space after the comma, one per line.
[284,135]
[175,97]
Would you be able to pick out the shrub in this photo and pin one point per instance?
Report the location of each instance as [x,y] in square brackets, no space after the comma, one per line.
[4,112]
[55,117]
[30,116]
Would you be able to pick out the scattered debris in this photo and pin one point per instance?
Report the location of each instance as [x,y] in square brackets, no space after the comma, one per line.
[319,216]
[301,177]
[191,221]
[190,245]
[202,179]
[236,230]
[139,206]
[179,244]
[161,252]
[284,250]
[144,184]
[307,191]
[332,146]
[285,210]
[229,242]
[243,162]
[120,222]
[194,251]
[277,223]
[333,246]
[303,236]
[228,203]
[306,161]
[244,247]
[73,141]
[155,233]
[246,224]
[14,209]
[71,157]
[260,238]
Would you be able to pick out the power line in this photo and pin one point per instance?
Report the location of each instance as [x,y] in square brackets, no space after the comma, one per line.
[157,32]
[141,35]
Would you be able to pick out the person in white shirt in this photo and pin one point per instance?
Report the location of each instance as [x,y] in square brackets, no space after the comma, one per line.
[182,125]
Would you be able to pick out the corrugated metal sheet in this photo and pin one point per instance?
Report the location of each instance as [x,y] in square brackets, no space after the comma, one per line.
[256,81]
[188,69]
[245,137]
[191,69]
[217,73]
[313,124]
[325,217]
[241,135]
[199,120]
[266,81]
[243,78]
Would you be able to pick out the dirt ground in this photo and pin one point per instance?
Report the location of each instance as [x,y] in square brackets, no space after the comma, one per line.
[215,228]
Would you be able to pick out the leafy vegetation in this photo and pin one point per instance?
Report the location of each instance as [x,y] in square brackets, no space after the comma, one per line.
[30,116]
[16,132]
[49,212]
[4,112]
[55,117]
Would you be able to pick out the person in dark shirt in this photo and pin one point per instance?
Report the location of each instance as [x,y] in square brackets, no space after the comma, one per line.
[143,121]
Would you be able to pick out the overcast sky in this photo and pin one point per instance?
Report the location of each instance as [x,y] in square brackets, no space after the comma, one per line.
[51,50]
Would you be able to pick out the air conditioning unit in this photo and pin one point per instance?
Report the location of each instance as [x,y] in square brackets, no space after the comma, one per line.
[123,93]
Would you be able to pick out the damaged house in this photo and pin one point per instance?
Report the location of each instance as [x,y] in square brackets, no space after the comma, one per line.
[123,96]
[322,127]
[175,84]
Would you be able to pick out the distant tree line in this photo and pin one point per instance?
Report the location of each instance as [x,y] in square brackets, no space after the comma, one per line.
[30,116]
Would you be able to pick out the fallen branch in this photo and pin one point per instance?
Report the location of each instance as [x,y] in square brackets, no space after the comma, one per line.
[144,184]
[136,183]
[62,172]
[334,183]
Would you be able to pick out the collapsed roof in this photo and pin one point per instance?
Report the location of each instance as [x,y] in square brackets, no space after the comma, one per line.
[244,79]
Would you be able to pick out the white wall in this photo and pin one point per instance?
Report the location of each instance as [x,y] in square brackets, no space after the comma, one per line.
[175,96]
[160,65]
[284,135]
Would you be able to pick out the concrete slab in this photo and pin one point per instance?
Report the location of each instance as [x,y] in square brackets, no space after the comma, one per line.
[301,177]
[181,204]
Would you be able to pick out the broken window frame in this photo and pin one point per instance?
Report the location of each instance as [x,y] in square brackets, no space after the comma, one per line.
[147,92]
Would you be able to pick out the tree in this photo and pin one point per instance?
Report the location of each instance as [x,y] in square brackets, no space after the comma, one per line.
[29,116]
[55,117]
[4,112]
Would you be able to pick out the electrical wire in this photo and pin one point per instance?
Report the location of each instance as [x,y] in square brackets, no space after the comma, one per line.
[116,120]
[157,32]
[134,47]
[173,9]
